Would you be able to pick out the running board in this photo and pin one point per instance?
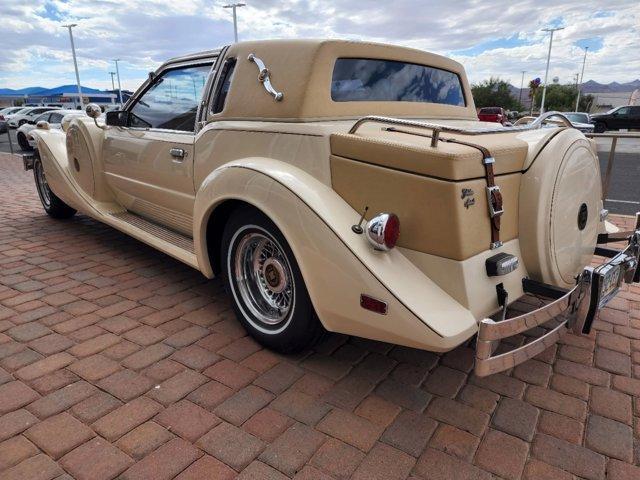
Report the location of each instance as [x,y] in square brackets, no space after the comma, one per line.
[172,243]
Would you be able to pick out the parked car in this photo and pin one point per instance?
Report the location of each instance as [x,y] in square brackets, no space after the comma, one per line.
[26,114]
[296,170]
[3,127]
[493,114]
[580,120]
[8,111]
[53,117]
[627,117]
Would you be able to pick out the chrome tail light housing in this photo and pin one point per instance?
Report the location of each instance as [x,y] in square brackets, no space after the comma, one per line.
[383,231]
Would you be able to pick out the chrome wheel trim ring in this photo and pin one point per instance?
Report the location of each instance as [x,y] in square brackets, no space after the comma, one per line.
[41,183]
[267,304]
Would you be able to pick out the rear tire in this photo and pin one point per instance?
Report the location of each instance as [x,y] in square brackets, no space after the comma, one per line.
[267,289]
[599,127]
[51,203]
[24,143]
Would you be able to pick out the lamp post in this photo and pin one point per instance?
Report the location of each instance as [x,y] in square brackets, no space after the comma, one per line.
[233,6]
[75,62]
[584,61]
[546,73]
[521,85]
[119,87]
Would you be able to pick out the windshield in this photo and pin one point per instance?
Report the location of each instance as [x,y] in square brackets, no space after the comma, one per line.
[363,79]
[577,117]
[22,110]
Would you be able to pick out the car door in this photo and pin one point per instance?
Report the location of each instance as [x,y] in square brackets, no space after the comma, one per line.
[635,117]
[149,163]
[620,117]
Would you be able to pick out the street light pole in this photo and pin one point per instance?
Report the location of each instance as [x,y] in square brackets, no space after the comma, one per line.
[521,85]
[546,73]
[233,6]
[119,87]
[584,61]
[75,62]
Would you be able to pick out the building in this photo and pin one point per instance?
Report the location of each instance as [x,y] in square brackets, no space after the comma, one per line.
[64,95]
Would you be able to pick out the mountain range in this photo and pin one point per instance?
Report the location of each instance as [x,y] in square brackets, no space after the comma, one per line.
[48,91]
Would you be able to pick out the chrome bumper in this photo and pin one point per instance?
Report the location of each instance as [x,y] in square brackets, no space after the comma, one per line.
[578,306]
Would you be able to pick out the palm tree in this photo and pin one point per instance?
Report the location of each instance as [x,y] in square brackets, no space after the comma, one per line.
[533,89]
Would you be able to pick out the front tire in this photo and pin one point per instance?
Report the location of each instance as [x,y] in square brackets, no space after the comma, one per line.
[268,292]
[51,203]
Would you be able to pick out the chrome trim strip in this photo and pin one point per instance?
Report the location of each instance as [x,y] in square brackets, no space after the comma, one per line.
[264,78]
[437,128]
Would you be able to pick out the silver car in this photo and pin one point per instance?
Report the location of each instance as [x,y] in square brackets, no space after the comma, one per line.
[580,120]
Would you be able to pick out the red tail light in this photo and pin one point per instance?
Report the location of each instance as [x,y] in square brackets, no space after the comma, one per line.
[383,231]
[373,304]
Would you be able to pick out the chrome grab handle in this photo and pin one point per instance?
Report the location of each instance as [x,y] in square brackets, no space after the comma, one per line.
[264,78]
[437,128]
[178,153]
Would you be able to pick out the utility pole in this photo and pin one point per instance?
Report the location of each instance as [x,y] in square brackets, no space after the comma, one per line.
[521,85]
[113,87]
[546,73]
[75,62]
[119,87]
[233,6]
[584,61]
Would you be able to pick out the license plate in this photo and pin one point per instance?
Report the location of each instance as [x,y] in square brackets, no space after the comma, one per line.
[609,284]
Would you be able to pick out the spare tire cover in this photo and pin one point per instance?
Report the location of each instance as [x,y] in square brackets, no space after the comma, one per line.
[559,211]
[575,212]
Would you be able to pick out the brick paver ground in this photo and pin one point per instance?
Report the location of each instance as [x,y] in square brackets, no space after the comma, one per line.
[117,361]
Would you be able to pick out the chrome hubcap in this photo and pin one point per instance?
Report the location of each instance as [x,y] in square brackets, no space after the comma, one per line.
[263,278]
[43,186]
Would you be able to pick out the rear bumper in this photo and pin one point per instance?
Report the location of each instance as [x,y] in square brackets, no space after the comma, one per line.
[575,309]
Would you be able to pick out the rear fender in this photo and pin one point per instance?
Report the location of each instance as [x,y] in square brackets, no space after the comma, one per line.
[337,264]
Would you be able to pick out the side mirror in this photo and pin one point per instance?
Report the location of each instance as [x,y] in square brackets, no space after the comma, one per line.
[117,118]
[93,110]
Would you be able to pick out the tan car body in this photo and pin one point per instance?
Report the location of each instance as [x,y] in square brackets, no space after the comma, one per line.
[295,161]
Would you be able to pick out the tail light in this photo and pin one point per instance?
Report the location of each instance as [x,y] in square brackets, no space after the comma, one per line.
[383,231]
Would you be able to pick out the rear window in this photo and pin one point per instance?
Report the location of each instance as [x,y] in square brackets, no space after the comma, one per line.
[363,79]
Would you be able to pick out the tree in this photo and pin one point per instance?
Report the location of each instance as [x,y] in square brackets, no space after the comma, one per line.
[494,93]
[563,99]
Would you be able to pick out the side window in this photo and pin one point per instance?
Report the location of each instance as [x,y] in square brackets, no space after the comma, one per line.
[56,118]
[623,111]
[223,86]
[172,101]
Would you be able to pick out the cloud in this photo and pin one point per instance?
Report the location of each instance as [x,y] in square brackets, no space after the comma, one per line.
[491,38]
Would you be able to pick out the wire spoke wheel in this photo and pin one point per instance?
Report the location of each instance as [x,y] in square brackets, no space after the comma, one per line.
[41,183]
[263,277]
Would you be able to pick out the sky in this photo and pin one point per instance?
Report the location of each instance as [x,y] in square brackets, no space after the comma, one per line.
[490,38]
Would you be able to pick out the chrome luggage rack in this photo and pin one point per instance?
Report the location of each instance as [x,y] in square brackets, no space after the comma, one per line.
[437,128]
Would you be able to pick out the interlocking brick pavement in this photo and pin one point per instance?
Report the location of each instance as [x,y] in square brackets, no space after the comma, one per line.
[118,362]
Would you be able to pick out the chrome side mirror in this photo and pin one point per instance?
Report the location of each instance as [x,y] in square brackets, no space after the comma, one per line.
[93,110]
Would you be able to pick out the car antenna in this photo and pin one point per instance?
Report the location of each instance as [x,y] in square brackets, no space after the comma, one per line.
[358,227]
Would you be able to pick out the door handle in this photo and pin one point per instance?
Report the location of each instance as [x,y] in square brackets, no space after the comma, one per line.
[178,153]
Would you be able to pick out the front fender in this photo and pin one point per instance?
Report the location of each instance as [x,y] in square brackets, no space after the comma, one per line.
[337,264]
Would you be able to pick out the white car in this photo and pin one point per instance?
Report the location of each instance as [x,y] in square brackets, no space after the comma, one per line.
[8,111]
[26,114]
[54,117]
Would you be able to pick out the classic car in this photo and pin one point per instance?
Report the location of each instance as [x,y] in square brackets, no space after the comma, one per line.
[348,187]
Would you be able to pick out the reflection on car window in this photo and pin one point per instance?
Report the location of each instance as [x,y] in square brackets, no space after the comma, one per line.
[577,117]
[172,101]
[362,79]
